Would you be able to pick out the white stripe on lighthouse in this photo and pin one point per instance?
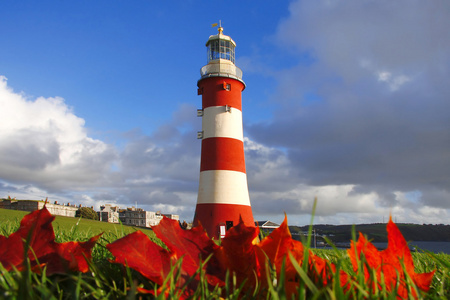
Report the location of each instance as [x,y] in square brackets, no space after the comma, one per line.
[222,186]
[217,122]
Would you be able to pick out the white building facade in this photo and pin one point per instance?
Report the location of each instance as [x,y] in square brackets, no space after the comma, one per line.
[139,217]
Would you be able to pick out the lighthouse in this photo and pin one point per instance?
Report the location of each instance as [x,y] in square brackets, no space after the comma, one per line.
[223,197]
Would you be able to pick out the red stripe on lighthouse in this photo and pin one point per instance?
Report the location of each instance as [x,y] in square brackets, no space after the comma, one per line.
[213,215]
[215,95]
[222,154]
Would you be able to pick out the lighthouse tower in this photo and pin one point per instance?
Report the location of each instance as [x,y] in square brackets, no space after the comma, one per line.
[223,197]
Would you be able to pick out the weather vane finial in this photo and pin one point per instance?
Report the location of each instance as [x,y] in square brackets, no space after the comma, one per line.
[220,29]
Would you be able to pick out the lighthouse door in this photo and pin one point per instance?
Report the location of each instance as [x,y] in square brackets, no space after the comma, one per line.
[229,224]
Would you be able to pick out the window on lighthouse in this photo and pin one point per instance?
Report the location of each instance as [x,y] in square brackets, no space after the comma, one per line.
[220,49]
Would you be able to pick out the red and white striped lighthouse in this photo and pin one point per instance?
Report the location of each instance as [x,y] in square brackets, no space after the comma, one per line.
[223,196]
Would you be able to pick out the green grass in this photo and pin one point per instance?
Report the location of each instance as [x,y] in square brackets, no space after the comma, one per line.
[111,281]
[87,227]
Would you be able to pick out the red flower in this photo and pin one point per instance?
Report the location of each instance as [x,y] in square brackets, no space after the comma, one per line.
[138,252]
[246,259]
[36,236]
[239,253]
[390,264]
[278,246]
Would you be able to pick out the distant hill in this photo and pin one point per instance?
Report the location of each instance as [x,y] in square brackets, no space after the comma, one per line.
[377,232]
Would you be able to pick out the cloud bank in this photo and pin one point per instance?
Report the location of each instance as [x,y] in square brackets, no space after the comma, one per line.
[361,123]
[45,151]
[364,118]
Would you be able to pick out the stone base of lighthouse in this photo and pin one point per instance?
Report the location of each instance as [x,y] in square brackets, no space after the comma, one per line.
[224,215]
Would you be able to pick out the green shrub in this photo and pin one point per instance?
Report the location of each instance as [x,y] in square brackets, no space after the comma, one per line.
[87,213]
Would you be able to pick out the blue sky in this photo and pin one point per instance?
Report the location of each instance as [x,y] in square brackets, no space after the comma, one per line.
[346,101]
[123,58]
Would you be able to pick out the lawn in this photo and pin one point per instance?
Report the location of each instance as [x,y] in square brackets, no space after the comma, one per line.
[84,228]
[107,280]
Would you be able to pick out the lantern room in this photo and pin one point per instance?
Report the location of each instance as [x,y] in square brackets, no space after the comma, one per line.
[221,57]
[220,46]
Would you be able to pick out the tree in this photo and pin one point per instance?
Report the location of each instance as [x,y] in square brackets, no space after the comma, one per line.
[87,213]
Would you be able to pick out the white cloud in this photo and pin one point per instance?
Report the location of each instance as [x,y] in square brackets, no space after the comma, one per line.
[277,185]
[43,143]
[361,117]
[362,125]
[53,157]
[394,82]
[45,152]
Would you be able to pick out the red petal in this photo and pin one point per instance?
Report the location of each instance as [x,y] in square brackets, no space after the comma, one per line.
[390,262]
[397,249]
[398,255]
[138,252]
[277,245]
[11,251]
[423,280]
[70,256]
[238,254]
[371,254]
[192,245]
[37,230]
